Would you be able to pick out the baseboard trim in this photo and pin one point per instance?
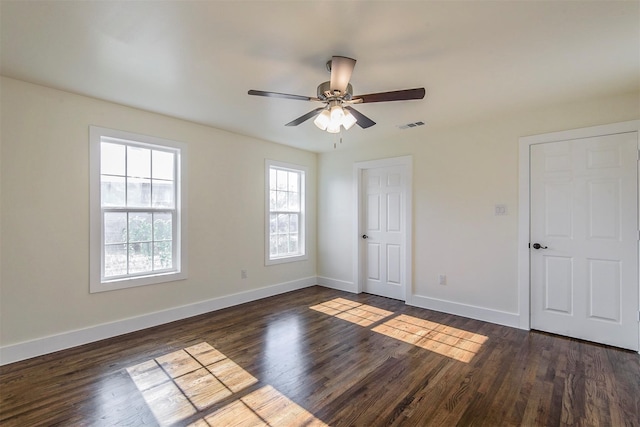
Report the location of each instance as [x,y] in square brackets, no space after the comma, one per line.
[40,346]
[340,285]
[471,311]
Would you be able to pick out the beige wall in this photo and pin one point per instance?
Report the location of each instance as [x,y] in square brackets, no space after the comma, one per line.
[459,174]
[44,268]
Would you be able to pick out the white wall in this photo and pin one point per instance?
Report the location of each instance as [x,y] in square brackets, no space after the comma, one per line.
[44,268]
[459,174]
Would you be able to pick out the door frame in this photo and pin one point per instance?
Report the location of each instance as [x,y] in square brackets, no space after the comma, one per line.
[358,250]
[524,221]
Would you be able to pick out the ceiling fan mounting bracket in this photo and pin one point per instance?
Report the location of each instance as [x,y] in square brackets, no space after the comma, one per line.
[325,94]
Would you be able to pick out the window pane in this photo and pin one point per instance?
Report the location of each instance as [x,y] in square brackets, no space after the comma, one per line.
[283,223]
[115,260]
[162,256]
[163,165]
[273,221]
[281,201]
[293,243]
[112,159]
[162,194]
[272,200]
[293,181]
[138,192]
[115,227]
[283,244]
[273,245]
[139,257]
[281,182]
[139,227]
[272,179]
[138,162]
[162,226]
[294,202]
[293,223]
[112,190]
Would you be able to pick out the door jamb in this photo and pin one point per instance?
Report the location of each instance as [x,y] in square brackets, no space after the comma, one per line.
[358,253]
[524,227]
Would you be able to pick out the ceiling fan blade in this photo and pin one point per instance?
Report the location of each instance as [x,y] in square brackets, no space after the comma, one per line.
[281,95]
[306,117]
[362,120]
[396,95]
[341,69]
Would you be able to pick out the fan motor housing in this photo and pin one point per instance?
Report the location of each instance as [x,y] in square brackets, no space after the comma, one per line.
[324,92]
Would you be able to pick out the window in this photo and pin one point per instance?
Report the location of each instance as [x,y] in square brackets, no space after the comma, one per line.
[285,236]
[137,237]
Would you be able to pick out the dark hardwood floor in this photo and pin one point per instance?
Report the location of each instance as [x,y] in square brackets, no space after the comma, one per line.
[324,357]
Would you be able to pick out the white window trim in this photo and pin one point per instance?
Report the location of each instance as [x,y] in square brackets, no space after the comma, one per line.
[95,213]
[303,229]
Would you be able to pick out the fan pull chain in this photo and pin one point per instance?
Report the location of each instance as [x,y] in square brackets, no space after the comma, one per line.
[335,144]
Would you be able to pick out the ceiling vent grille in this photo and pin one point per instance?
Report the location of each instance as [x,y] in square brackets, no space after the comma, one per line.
[411,125]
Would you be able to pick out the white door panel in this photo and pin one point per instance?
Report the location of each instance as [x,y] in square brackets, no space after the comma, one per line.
[584,196]
[385,228]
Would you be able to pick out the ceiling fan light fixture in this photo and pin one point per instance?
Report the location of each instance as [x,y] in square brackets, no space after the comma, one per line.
[337,114]
[333,127]
[323,120]
[348,120]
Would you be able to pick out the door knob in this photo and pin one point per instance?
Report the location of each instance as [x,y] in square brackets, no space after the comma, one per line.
[364,236]
[538,246]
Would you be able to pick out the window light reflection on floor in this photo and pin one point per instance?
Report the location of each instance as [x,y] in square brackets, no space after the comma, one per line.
[351,311]
[445,340]
[179,385]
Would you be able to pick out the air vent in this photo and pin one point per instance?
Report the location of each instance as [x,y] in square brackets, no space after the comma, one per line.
[411,125]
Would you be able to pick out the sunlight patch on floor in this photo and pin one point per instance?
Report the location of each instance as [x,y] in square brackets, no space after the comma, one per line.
[351,311]
[263,407]
[178,385]
[445,340]
[448,341]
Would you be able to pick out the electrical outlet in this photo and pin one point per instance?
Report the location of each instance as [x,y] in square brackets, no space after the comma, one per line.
[442,279]
[243,274]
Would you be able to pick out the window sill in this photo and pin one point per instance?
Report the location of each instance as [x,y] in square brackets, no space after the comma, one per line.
[112,285]
[284,260]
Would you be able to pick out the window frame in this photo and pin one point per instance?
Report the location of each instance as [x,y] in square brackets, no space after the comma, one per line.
[302,221]
[97,281]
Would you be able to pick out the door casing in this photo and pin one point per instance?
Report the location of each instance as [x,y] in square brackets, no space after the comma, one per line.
[524,271]
[359,252]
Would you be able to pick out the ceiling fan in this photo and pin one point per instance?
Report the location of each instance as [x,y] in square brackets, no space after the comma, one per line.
[337,95]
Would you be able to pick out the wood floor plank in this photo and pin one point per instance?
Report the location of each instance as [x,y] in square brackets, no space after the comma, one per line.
[321,357]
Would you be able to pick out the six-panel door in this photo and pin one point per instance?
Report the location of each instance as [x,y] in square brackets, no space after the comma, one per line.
[584,276]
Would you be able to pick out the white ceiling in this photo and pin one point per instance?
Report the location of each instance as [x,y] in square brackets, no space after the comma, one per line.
[196,59]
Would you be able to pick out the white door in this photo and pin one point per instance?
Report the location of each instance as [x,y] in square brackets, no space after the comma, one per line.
[384,230]
[584,238]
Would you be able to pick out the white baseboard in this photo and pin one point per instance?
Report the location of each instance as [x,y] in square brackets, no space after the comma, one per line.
[474,312]
[340,285]
[38,347]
